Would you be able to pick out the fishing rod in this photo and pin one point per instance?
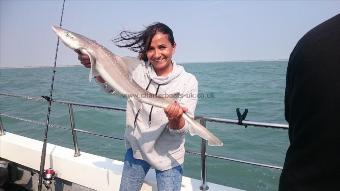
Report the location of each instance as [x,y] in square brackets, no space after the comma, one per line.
[49,173]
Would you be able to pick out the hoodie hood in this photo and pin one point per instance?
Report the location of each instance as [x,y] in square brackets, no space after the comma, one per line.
[177,70]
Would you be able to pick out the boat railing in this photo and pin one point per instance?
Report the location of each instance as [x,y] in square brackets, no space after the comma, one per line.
[202,119]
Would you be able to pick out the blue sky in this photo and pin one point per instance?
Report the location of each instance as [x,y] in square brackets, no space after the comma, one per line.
[205,31]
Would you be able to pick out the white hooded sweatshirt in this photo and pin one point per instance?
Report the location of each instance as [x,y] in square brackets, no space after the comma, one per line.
[147,131]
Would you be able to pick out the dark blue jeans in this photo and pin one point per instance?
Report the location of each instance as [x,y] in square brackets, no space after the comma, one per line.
[135,170]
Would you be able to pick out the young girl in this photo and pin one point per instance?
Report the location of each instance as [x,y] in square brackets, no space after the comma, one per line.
[155,137]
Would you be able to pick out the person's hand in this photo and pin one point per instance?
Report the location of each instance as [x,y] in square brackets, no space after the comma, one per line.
[174,113]
[84,59]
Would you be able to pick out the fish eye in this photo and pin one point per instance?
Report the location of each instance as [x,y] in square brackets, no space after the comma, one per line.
[69,35]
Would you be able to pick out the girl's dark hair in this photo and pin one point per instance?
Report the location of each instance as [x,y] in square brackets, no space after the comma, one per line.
[140,41]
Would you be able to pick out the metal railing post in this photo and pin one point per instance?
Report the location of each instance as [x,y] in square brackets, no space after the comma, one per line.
[204,185]
[74,132]
[2,131]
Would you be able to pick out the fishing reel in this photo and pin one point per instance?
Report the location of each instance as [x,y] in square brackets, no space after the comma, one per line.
[48,176]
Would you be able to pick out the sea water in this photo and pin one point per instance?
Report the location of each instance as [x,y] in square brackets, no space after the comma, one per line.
[257,86]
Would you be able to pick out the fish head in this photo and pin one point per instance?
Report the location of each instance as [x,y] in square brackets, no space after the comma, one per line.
[72,40]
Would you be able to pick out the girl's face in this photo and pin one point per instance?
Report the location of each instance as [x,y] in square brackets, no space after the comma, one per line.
[160,53]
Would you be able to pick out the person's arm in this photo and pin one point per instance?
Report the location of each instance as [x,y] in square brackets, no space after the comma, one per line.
[186,104]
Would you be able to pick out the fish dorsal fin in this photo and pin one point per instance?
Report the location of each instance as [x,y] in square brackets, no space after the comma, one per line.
[131,63]
[93,71]
[128,64]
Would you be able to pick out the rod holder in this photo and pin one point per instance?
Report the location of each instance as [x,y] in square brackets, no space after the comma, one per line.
[74,132]
[242,116]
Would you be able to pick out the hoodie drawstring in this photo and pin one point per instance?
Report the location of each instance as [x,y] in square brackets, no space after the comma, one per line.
[152,106]
[136,116]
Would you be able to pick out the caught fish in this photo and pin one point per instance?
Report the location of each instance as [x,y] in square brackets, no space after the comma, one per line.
[115,70]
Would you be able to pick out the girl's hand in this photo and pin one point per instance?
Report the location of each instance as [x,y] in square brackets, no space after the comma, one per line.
[174,113]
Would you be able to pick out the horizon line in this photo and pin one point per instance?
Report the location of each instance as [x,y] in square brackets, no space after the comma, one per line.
[191,62]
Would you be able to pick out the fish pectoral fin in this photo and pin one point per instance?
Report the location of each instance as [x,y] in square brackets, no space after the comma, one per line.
[93,71]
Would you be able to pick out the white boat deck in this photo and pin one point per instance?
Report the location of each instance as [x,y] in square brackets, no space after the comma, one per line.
[91,171]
